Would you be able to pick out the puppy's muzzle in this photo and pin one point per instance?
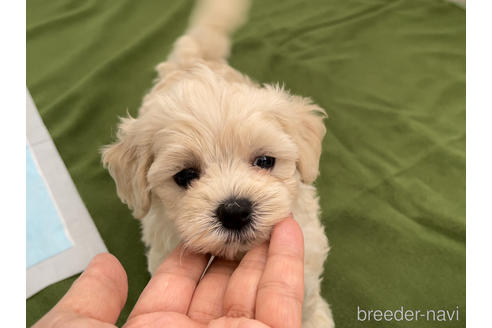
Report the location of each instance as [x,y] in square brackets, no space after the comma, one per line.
[235,213]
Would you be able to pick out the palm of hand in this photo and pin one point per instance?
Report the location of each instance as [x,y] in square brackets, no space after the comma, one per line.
[264,290]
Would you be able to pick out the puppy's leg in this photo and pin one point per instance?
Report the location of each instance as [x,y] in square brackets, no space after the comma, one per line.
[154,258]
[159,250]
[320,316]
[316,312]
[159,236]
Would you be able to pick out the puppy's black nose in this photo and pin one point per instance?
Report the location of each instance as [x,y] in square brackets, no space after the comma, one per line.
[234,213]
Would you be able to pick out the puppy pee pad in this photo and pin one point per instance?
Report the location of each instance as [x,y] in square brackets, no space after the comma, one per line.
[61,237]
[391,76]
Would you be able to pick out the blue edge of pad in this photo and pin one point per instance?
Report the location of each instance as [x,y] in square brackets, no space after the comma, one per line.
[46,234]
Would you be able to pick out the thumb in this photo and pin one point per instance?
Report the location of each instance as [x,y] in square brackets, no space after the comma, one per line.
[99,293]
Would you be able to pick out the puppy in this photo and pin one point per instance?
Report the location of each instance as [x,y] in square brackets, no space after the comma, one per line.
[214,160]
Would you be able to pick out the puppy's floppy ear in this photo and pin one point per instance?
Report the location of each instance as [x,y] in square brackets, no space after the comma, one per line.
[304,123]
[308,136]
[128,161]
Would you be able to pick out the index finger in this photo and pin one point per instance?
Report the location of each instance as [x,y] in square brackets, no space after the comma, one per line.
[281,288]
[171,287]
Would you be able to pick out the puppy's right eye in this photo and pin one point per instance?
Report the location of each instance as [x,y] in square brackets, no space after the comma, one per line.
[184,177]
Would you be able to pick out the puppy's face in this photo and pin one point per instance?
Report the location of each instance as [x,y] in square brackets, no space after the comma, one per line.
[223,159]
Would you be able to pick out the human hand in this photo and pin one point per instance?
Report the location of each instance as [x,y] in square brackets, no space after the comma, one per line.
[265,289]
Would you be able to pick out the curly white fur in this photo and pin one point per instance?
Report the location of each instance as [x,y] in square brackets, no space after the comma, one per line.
[202,113]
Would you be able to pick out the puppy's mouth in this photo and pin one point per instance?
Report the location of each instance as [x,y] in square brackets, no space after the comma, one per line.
[245,236]
[235,226]
[231,244]
[235,243]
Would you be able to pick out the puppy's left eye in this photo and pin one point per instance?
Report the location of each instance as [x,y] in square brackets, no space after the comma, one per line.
[265,162]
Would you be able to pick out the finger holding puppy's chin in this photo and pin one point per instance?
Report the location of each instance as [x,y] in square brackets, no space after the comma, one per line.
[241,294]
[280,294]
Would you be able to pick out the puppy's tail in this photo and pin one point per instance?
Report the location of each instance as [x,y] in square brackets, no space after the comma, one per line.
[207,37]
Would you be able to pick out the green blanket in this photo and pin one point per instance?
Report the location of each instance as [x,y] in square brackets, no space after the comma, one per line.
[390,74]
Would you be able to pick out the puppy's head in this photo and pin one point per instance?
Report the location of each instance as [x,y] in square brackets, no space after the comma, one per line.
[223,159]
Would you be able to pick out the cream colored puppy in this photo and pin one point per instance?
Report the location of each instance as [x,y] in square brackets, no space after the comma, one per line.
[214,160]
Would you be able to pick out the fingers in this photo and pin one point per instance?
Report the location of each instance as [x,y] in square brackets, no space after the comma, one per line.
[240,295]
[162,319]
[227,322]
[281,288]
[209,295]
[172,286]
[99,293]
[172,319]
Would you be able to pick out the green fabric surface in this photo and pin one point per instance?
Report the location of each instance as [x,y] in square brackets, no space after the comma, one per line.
[391,76]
